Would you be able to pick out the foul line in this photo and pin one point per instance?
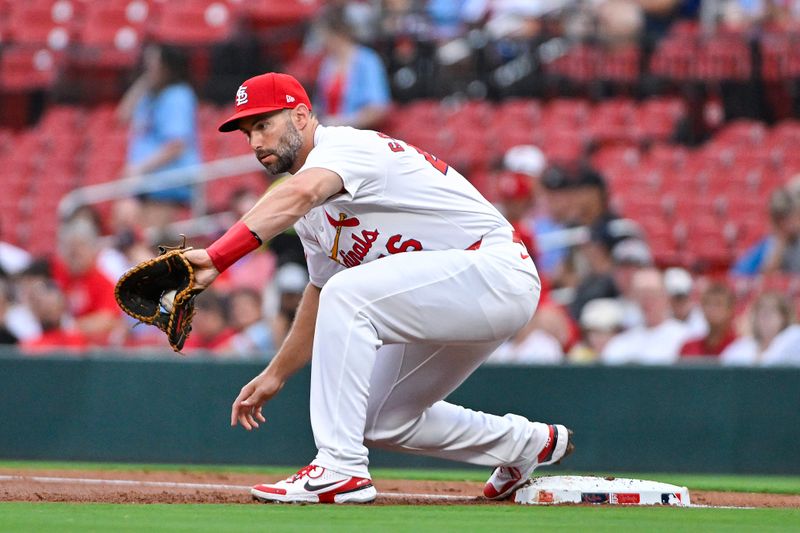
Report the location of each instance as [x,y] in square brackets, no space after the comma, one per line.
[206,486]
[245,488]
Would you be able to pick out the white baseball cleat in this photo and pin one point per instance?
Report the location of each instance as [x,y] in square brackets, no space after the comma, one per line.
[506,479]
[314,484]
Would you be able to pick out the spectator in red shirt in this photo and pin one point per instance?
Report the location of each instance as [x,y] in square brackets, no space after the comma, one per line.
[49,306]
[89,293]
[210,330]
[718,304]
[516,196]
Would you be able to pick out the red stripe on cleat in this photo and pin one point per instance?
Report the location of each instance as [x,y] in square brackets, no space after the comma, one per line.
[270,489]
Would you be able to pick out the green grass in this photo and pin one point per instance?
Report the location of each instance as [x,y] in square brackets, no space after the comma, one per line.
[18,516]
[720,482]
[220,518]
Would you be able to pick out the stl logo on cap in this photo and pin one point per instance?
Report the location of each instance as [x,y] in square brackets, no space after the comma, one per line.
[241,95]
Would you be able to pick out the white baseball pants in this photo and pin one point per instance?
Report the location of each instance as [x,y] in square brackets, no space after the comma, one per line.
[395,336]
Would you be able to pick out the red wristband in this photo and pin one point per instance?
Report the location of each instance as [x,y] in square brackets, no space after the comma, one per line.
[237,242]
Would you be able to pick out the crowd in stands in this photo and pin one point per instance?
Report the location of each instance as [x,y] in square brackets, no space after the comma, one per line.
[663,230]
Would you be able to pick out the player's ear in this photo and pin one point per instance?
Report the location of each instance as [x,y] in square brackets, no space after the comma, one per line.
[300,116]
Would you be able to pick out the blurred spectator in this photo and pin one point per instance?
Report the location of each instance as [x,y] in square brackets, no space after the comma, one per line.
[510,19]
[283,298]
[111,261]
[210,329]
[586,204]
[679,286]
[19,319]
[6,337]
[630,256]
[352,87]
[516,201]
[89,293]
[446,17]
[601,319]
[598,281]
[49,306]
[779,251]
[589,203]
[774,337]
[13,259]
[127,232]
[525,163]
[401,17]
[161,109]
[659,339]
[253,335]
[552,216]
[719,307]
[620,22]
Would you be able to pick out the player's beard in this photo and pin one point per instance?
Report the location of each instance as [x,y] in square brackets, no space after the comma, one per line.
[286,154]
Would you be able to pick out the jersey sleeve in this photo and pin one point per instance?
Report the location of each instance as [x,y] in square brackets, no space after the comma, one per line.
[320,267]
[351,155]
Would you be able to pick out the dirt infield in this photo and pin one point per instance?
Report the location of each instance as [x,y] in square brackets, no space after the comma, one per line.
[142,486]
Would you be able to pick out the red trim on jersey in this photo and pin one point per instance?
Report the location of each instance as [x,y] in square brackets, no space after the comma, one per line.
[548,447]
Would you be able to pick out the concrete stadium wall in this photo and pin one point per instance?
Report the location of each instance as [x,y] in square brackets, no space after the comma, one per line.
[699,419]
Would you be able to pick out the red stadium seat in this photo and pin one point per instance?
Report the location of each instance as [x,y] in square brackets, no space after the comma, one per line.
[565,112]
[109,38]
[780,53]
[674,58]
[265,15]
[741,133]
[724,58]
[43,23]
[519,109]
[658,118]
[620,65]
[196,22]
[613,157]
[579,63]
[24,69]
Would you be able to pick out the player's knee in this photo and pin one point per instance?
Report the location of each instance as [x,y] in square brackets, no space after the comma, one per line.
[350,288]
[388,430]
[338,290]
[381,437]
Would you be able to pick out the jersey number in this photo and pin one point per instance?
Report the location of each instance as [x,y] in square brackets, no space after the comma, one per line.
[394,246]
[435,162]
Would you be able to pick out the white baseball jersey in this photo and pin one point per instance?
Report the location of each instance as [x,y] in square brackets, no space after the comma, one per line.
[398,334]
[396,198]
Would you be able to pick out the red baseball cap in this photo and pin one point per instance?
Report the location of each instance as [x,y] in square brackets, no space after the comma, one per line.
[515,186]
[265,93]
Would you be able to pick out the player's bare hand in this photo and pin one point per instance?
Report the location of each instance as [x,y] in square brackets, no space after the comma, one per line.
[204,271]
[246,409]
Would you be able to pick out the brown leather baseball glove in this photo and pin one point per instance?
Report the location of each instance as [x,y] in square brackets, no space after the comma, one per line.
[143,292]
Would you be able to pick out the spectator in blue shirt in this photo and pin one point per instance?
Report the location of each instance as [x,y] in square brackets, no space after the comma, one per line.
[161,109]
[779,250]
[352,87]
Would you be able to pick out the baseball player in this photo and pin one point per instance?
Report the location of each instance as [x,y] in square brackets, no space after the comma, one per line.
[414,280]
